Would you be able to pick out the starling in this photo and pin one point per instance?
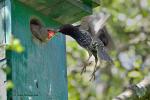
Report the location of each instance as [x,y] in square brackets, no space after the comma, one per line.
[92,44]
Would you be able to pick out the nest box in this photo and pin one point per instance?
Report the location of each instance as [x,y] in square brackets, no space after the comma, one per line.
[39,73]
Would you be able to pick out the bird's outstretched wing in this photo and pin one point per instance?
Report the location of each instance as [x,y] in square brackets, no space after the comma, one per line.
[104,36]
[94,22]
[95,25]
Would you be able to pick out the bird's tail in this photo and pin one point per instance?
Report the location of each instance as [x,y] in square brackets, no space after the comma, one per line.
[103,54]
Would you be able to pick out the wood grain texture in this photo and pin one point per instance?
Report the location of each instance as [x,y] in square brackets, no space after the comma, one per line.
[63,11]
[39,73]
[4,20]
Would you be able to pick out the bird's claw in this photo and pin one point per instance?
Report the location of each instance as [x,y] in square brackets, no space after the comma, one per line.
[83,70]
[90,63]
[84,66]
[92,76]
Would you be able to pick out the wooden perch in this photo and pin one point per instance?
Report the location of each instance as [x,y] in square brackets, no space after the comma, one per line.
[141,91]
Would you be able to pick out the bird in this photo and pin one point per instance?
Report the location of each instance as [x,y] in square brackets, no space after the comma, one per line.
[41,32]
[92,44]
[95,25]
[84,34]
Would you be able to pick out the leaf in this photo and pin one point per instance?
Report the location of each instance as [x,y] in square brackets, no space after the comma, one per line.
[134,74]
[16,46]
[9,85]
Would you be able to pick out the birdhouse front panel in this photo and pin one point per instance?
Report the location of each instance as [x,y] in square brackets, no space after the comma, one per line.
[39,73]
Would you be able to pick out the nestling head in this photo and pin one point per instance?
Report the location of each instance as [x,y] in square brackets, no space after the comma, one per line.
[50,33]
[40,31]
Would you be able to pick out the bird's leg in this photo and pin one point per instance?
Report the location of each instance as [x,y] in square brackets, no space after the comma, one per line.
[86,64]
[95,68]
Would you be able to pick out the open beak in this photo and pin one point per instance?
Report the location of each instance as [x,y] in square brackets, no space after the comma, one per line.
[51,33]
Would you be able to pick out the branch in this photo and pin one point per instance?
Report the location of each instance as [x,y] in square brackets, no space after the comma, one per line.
[141,91]
[3,45]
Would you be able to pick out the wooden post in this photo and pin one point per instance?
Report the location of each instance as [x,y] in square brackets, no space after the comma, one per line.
[5,19]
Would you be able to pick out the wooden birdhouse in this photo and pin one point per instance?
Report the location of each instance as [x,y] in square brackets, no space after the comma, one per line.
[39,73]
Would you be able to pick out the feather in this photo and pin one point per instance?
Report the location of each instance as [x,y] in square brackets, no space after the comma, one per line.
[103,55]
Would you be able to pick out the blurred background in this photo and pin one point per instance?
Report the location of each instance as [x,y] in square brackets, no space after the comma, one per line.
[129,27]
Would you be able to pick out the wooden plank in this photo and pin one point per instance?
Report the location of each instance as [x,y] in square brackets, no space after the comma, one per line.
[39,73]
[5,28]
[63,11]
[91,3]
[81,5]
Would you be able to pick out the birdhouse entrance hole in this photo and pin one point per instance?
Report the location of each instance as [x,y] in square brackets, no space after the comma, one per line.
[36,22]
[40,31]
[35,26]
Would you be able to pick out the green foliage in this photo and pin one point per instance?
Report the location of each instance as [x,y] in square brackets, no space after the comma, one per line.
[129,27]
[7,70]
[15,46]
[9,85]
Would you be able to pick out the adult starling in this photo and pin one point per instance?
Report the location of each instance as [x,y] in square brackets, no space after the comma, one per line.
[92,44]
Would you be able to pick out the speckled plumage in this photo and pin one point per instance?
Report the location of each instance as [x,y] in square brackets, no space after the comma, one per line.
[93,45]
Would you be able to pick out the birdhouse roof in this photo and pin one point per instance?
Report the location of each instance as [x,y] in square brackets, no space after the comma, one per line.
[63,11]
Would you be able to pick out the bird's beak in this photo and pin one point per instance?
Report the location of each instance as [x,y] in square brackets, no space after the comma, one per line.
[52,33]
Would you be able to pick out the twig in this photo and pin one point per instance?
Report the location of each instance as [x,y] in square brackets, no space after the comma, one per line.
[3,59]
[141,91]
[3,45]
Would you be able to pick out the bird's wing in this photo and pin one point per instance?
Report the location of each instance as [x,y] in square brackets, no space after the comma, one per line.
[100,22]
[105,36]
[102,52]
[95,25]
[87,24]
